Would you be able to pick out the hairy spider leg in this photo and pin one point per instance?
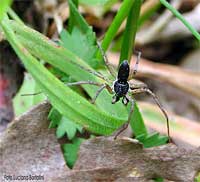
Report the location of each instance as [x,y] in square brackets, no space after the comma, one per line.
[101,87]
[91,71]
[108,65]
[137,62]
[135,68]
[72,84]
[84,83]
[31,94]
[125,125]
[147,90]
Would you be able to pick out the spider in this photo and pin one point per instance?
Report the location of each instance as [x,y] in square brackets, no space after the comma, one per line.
[121,88]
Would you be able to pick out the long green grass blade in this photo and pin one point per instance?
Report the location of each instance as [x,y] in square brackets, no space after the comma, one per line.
[64,99]
[137,124]
[130,31]
[62,59]
[116,23]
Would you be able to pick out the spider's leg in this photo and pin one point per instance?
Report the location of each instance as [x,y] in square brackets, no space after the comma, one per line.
[137,62]
[70,84]
[98,92]
[101,87]
[108,65]
[125,125]
[84,83]
[147,90]
[91,71]
[135,68]
[125,100]
[31,94]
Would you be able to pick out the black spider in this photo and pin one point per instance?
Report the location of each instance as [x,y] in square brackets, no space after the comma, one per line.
[121,85]
[122,88]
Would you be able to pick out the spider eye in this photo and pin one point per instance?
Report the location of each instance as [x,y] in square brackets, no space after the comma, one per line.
[123,72]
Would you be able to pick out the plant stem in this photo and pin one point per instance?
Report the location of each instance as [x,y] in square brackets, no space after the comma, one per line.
[120,16]
[130,31]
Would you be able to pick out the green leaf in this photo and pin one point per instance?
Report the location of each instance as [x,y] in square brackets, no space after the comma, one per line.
[68,103]
[62,59]
[71,151]
[80,44]
[3,7]
[137,123]
[55,117]
[141,137]
[197,179]
[87,37]
[153,139]
[57,56]
[158,179]
[59,74]
[77,18]
[148,140]
[103,119]
[23,103]
[65,126]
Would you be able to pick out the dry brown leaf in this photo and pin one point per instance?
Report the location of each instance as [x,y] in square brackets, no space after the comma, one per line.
[127,157]
[124,159]
[29,147]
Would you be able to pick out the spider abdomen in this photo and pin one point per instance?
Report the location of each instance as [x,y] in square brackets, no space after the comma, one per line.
[121,88]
